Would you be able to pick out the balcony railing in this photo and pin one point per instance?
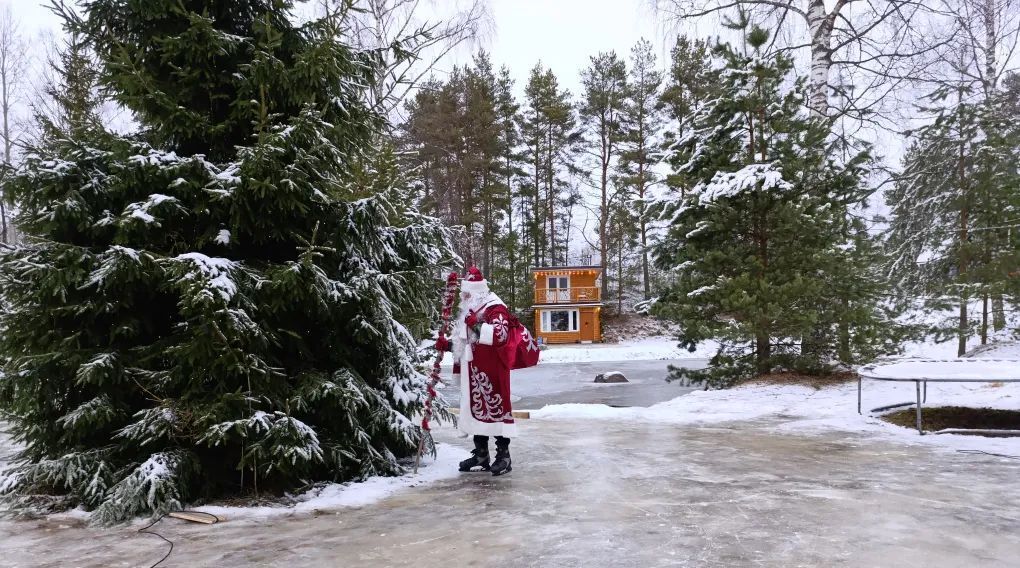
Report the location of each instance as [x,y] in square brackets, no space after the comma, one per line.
[589,294]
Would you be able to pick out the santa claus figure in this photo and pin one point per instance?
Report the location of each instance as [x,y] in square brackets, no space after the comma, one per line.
[483,358]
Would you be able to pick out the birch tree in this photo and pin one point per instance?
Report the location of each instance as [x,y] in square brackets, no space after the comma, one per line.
[13,64]
[881,39]
[408,43]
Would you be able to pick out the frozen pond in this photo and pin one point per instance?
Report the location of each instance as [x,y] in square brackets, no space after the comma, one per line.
[559,383]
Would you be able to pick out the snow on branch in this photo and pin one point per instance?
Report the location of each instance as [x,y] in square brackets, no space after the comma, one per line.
[142,210]
[215,273]
[753,177]
[152,486]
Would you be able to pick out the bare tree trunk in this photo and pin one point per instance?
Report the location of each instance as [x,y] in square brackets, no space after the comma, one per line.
[990,13]
[644,257]
[762,352]
[551,195]
[962,260]
[984,319]
[961,334]
[619,277]
[763,341]
[604,209]
[642,221]
[3,220]
[512,244]
[998,312]
[535,209]
[487,226]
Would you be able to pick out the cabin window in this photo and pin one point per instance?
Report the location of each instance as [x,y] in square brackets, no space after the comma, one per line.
[558,289]
[560,320]
[560,282]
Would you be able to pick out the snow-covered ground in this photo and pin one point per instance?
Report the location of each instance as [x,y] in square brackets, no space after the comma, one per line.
[801,409]
[331,497]
[662,348]
[336,496]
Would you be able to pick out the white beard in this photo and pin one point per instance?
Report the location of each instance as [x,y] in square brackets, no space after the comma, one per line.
[462,336]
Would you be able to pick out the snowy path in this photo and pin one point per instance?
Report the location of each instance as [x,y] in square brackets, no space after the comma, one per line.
[621,494]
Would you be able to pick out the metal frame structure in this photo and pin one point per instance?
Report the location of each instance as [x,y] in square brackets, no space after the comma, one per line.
[873,372]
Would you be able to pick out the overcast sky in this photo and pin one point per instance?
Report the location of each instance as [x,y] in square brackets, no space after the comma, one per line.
[563,34]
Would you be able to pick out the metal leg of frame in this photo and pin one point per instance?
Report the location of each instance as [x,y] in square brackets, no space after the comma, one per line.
[925,391]
[859,394]
[917,384]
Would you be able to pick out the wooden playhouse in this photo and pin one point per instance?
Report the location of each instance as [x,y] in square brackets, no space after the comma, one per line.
[568,304]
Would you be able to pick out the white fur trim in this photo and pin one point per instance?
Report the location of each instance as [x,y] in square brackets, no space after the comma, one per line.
[485,334]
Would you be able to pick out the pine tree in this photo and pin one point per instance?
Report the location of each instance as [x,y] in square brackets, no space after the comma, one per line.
[601,114]
[460,139]
[692,80]
[432,145]
[643,124]
[483,135]
[762,236]
[512,271]
[209,306]
[548,126]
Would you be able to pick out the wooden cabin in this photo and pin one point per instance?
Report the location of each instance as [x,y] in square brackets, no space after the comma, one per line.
[568,304]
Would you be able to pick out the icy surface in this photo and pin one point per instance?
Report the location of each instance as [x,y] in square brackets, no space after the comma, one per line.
[649,495]
[337,496]
[763,475]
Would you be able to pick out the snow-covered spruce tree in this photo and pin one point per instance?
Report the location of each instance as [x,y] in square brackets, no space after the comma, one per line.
[952,240]
[762,250]
[210,305]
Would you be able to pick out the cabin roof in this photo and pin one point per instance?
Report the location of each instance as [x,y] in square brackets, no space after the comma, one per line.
[550,268]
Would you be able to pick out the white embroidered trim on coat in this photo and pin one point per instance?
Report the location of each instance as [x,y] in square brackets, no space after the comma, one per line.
[502,328]
[486,405]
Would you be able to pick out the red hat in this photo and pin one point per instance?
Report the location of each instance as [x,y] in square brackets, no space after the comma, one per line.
[474,282]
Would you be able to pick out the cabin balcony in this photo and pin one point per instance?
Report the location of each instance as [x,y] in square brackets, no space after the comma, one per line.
[578,295]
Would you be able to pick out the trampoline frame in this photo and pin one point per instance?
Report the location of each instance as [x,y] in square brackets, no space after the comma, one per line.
[870,372]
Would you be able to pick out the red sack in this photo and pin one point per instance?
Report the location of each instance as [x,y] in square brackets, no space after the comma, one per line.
[525,348]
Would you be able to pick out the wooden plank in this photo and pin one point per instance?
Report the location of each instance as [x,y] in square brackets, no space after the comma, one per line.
[195,517]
